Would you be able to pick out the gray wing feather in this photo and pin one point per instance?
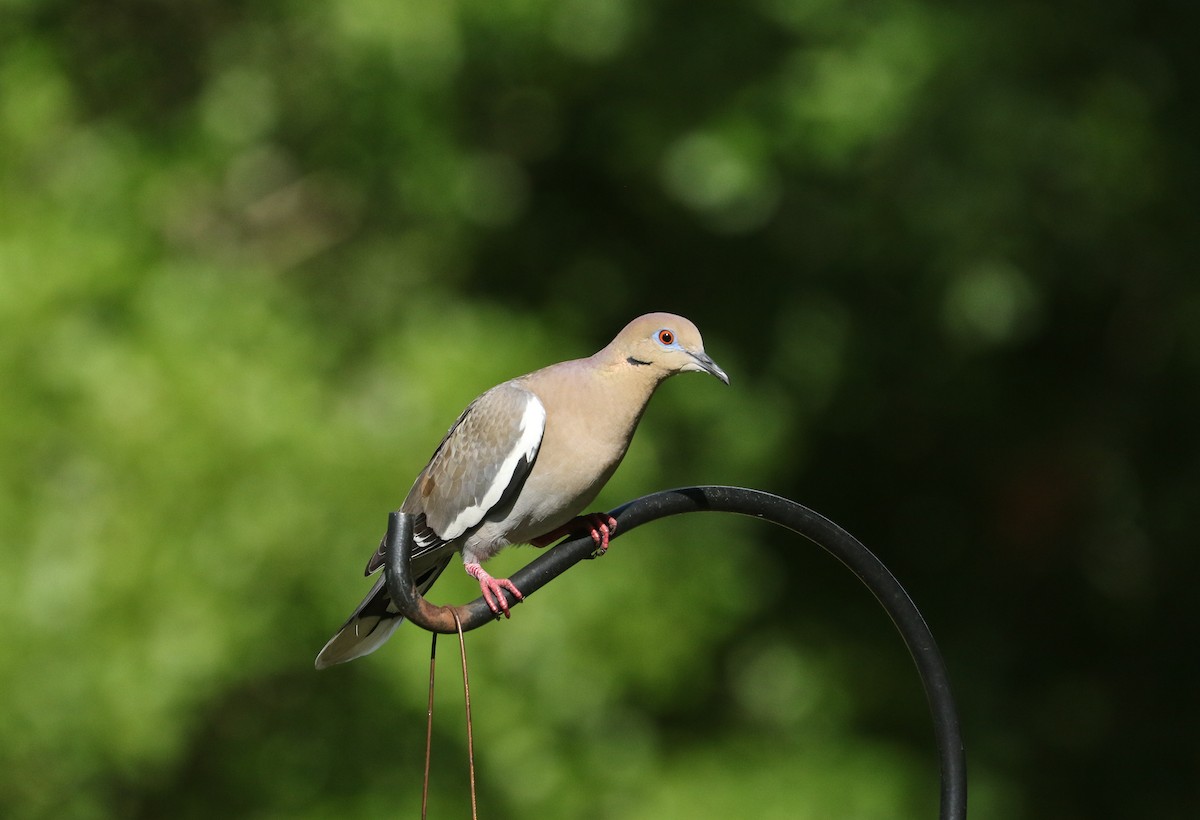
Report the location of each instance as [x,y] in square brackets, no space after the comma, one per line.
[481,464]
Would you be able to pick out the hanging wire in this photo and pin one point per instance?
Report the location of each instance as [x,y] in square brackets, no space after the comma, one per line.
[462,651]
[786,513]
[429,729]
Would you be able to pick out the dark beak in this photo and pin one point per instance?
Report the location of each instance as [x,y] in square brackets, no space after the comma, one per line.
[709,366]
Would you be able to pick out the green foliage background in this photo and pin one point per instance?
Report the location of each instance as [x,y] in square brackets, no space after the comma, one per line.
[254,258]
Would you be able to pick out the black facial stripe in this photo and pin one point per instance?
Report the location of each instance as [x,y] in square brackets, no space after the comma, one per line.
[637,362]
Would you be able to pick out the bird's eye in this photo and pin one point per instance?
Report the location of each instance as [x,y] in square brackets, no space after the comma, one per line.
[666,337]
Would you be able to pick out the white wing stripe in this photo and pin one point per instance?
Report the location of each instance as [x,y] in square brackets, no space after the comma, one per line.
[533,424]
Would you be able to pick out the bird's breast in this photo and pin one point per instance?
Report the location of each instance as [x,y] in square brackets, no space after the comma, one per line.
[582,446]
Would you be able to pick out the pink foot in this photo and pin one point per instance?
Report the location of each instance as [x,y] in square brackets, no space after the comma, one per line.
[600,526]
[492,589]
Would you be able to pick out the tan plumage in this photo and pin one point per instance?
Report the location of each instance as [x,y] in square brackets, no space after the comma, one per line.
[523,460]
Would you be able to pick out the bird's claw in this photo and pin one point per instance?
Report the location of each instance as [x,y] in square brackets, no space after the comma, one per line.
[493,590]
[601,526]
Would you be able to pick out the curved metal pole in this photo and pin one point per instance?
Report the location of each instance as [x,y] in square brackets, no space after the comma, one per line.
[755,503]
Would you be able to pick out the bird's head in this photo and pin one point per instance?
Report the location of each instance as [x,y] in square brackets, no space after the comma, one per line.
[662,344]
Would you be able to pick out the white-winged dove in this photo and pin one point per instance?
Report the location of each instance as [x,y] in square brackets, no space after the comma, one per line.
[521,462]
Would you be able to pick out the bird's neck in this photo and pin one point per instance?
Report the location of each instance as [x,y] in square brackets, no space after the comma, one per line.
[615,391]
[624,389]
[633,380]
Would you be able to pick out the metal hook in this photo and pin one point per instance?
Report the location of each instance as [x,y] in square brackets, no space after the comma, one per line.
[755,503]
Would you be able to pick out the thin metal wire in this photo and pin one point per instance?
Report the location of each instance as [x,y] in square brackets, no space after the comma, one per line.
[429,729]
[462,651]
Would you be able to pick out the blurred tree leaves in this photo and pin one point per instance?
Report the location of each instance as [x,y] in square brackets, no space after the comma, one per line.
[255,259]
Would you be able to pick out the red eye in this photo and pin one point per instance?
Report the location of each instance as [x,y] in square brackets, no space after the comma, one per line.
[666,337]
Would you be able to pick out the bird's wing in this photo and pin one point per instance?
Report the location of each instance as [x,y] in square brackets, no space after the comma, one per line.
[481,464]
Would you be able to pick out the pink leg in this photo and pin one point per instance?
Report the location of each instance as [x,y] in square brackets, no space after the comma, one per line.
[492,588]
[600,526]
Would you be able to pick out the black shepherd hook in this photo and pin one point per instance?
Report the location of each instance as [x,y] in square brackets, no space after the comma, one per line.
[755,503]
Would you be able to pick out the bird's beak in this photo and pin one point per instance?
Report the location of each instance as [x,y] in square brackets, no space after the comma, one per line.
[704,362]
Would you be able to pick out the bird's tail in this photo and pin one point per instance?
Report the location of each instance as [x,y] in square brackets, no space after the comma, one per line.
[372,623]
